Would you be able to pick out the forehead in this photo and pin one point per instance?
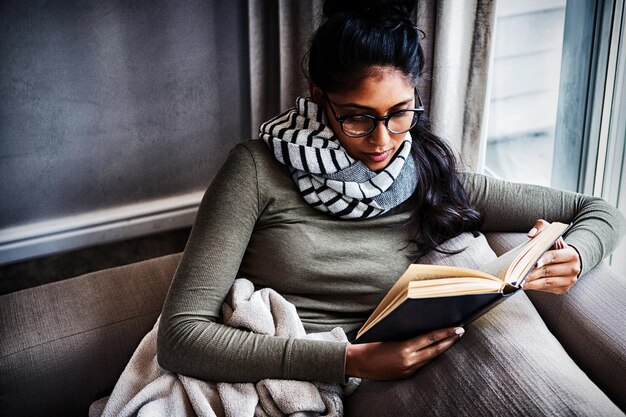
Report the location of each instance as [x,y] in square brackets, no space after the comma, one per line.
[380,89]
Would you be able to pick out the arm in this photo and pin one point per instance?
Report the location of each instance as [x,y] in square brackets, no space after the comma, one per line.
[190,341]
[505,207]
[510,207]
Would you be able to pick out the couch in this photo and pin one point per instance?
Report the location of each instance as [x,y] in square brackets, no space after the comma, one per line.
[64,344]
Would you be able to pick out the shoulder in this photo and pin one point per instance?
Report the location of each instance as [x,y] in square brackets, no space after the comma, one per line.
[246,150]
[256,148]
[480,183]
[473,182]
[253,158]
[485,191]
[247,146]
[257,152]
[255,155]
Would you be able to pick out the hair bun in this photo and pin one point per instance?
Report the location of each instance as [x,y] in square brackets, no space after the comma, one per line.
[379,11]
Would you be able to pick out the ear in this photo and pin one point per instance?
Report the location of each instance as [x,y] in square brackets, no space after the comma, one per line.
[316,94]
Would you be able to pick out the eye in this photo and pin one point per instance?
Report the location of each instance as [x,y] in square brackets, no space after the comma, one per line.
[357,125]
[403,114]
[359,119]
[402,121]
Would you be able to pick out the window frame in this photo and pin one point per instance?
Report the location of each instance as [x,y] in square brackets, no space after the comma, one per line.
[589,150]
[583,99]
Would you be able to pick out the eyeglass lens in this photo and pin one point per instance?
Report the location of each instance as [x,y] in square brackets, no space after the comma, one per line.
[400,122]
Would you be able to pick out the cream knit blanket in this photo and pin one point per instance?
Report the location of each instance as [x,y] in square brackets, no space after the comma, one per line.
[146,389]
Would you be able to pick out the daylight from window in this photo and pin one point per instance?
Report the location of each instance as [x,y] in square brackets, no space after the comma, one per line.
[524,89]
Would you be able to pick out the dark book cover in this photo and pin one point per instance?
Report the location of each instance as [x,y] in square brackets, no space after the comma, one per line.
[417,316]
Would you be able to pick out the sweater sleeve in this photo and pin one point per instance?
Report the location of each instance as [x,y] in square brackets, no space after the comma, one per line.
[506,206]
[190,339]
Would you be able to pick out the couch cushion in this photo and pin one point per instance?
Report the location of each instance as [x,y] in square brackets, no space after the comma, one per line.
[588,321]
[503,242]
[508,362]
[475,251]
[64,344]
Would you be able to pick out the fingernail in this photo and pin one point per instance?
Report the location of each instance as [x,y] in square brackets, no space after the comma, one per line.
[539,263]
[532,232]
[459,331]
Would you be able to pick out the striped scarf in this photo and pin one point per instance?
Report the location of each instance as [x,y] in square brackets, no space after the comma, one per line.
[328,178]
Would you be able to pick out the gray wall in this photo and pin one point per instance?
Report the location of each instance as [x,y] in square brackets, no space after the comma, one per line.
[110,103]
[105,103]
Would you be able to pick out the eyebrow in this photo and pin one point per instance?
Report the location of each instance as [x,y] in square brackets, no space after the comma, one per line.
[360,106]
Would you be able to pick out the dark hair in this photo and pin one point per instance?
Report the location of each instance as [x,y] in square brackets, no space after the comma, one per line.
[360,36]
[357,39]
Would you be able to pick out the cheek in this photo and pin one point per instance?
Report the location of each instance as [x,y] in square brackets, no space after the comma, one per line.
[398,139]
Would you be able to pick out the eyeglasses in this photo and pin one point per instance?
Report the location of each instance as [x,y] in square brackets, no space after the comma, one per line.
[359,125]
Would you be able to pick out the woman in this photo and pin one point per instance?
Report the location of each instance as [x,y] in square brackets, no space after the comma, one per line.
[342,193]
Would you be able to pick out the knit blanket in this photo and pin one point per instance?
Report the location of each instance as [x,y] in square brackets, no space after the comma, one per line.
[146,389]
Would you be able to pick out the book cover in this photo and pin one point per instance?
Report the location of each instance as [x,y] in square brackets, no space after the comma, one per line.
[430,297]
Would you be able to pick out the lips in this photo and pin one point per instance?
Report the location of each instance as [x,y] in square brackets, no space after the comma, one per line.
[377,156]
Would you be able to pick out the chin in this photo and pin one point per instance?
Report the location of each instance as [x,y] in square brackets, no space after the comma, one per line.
[379,166]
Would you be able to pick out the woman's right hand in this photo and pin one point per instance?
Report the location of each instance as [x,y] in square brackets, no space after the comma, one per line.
[399,360]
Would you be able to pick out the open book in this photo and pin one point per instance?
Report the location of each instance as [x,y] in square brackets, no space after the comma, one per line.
[429,297]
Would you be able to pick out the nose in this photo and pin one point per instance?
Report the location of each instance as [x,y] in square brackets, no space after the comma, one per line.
[380,135]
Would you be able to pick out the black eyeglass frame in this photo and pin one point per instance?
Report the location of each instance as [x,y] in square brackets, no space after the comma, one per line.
[385,119]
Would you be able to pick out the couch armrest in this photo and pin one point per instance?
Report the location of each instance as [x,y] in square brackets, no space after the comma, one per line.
[588,321]
[63,345]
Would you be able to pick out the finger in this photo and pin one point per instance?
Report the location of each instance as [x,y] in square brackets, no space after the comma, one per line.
[431,338]
[567,269]
[540,224]
[557,256]
[557,285]
[559,244]
[431,352]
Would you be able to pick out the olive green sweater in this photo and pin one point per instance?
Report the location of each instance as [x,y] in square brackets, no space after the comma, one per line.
[253,223]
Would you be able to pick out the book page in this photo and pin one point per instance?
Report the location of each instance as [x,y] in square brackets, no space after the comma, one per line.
[499,265]
[513,266]
[544,241]
[453,286]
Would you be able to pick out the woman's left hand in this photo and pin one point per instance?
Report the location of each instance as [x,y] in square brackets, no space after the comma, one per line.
[557,270]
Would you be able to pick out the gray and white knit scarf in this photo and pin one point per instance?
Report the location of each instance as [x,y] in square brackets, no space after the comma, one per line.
[327,177]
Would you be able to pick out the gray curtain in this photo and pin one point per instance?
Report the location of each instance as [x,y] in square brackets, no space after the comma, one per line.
[460,68]
[279,33]
[426,22]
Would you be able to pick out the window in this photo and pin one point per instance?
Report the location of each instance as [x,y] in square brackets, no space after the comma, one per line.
[524,93]
[557,107]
